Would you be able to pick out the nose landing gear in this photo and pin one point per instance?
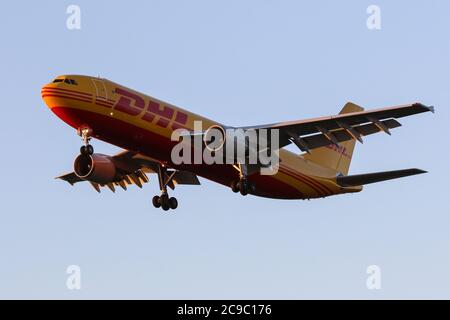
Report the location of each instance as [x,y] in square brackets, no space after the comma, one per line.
[164,201]
[85,134]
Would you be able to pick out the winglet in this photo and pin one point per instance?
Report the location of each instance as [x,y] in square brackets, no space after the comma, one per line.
[426,108]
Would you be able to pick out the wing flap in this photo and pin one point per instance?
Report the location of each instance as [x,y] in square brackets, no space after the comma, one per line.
[341,135]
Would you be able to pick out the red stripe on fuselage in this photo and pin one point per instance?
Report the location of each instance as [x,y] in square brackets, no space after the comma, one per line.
[103,104]
[67,90]
[323,188]
[65,97]
[319,184]
[105,99]
[43,92]
[300,177]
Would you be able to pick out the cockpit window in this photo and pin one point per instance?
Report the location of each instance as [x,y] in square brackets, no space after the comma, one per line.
[66,80]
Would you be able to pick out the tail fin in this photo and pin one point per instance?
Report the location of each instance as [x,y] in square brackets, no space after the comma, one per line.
[333,157]
[361,179]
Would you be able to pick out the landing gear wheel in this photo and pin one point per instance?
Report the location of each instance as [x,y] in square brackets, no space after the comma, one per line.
[234,186]
[89,149]
[164,201]
[243,187]
[165,204]
[156,202]
[173,202]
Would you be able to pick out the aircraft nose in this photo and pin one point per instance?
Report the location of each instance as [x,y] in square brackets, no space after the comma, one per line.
[45,92]
[48,91]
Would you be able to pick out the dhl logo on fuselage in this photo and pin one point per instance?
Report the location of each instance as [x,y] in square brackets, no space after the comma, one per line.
[134,105]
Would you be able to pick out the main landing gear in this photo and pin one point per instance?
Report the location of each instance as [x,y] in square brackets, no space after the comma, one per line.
[85,134]
[243,185]
[164,201]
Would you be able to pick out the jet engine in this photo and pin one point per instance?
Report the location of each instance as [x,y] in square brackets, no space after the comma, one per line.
[214,138]
[242,143]
[97,168]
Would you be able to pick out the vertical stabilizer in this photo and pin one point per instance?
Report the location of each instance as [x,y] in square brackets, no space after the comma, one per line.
[332,156]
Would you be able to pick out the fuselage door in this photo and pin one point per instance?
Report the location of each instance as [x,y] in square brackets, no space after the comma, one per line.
[100,89]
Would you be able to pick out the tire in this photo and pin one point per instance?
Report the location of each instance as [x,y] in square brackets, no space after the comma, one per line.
[243,187]
[89,149]
[173,203]
[165,203]
[234,187]
[156,202]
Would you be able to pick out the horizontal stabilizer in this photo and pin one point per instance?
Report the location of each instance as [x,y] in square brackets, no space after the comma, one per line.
[361,179]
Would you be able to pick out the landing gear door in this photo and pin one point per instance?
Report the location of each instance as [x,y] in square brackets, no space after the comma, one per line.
[100,89]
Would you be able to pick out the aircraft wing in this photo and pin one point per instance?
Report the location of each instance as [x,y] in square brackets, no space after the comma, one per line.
[71,178]
[319,132]
[133,167]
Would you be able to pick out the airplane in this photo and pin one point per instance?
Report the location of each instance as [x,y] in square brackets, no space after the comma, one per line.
[143,126]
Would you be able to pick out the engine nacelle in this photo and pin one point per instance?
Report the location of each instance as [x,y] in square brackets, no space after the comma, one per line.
[214,138]
[237,144]
[97,168]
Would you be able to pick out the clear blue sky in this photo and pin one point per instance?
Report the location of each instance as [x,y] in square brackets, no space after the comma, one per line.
[241,63]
